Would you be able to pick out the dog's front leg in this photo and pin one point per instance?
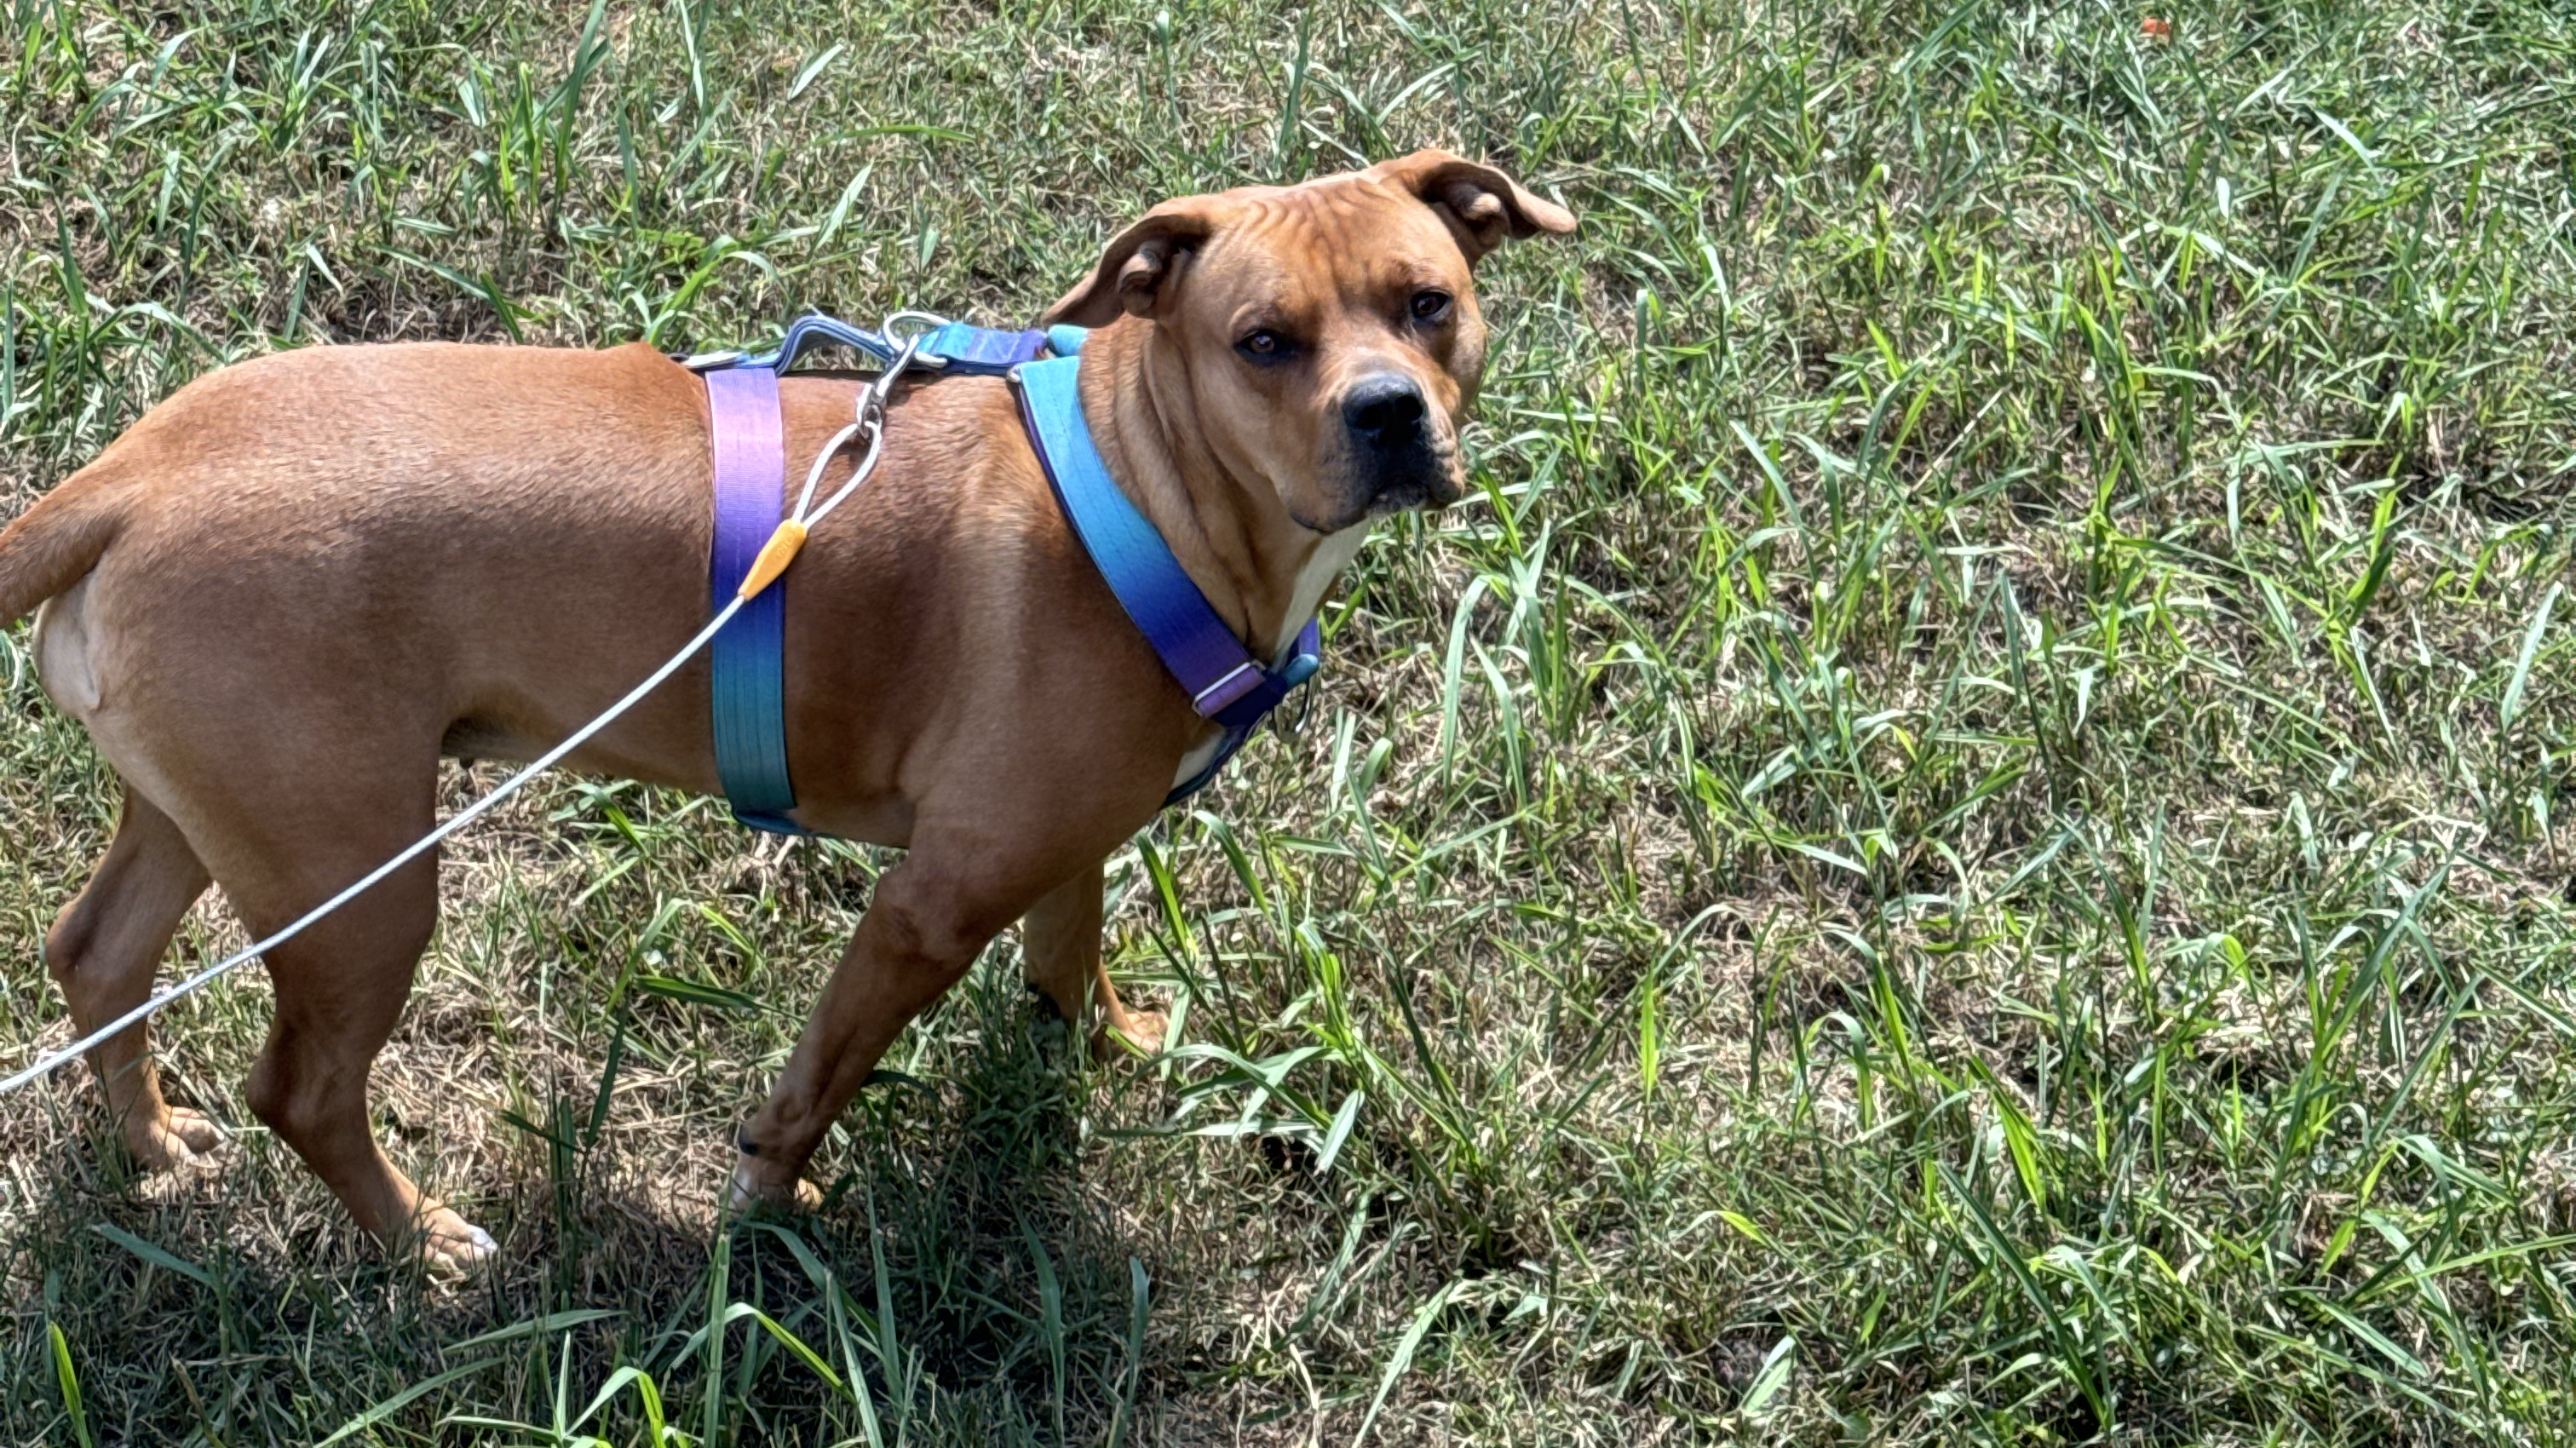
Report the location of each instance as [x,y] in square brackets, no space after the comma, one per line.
[1060,952]
[931,916]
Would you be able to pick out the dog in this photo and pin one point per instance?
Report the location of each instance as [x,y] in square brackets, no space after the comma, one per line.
[284,594]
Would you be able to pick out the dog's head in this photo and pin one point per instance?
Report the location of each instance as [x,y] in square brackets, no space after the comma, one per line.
[1328,331]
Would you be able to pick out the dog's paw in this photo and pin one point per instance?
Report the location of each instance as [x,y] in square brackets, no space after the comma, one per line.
[184,1141]
[793,1195]
[451,1245]
[1136,1032]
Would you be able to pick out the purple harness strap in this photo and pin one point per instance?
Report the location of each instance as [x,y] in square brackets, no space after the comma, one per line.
[749,656]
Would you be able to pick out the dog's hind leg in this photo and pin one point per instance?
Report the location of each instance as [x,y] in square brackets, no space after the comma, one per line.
[283,831]
[341,986]
[103,949]
[1060,952]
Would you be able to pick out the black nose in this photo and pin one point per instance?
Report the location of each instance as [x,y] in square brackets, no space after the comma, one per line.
[1384,411]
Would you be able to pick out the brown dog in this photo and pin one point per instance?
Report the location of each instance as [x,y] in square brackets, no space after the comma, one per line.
[278,599]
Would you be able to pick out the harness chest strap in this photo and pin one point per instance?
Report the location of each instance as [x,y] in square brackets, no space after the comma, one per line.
[1226,684]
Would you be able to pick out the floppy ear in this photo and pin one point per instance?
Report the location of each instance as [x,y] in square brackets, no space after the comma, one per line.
[1136,271]
[1481,205]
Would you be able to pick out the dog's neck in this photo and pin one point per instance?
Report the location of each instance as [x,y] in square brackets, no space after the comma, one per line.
[1263,572]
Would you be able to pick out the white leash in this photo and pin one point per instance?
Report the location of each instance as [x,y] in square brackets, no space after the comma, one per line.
[774,557]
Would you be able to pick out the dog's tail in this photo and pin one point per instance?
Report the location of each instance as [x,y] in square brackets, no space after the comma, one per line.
[54,544]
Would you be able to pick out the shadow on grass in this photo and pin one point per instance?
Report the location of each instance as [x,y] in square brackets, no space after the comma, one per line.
[957,1267]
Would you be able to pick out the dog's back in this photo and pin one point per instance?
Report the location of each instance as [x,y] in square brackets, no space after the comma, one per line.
[255,446]
[330,514]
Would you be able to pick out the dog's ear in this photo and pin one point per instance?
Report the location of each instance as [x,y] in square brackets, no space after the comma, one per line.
[1138,268]
[1481,206]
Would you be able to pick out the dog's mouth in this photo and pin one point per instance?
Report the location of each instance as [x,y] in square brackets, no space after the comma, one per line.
[1434,488]
[1426,476]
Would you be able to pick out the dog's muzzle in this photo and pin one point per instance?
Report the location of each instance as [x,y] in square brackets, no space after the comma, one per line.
[1398,459]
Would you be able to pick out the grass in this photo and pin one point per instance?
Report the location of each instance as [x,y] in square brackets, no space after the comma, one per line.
[1968,841]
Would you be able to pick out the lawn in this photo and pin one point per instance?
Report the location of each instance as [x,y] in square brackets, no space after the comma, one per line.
[1965,840]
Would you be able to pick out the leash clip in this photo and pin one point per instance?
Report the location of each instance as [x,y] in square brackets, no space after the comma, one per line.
[1298,672]
[1292,720]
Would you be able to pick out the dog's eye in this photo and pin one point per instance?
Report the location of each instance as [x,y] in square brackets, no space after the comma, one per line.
[1264,344]
[1430,306]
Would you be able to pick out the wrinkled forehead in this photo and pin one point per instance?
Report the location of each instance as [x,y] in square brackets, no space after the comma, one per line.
[1346,242]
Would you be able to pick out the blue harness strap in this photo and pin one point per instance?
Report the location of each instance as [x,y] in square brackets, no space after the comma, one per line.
[749,656]
[1225,683]
[951,347]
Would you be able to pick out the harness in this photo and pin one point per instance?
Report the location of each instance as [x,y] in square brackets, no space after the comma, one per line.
[1226,685]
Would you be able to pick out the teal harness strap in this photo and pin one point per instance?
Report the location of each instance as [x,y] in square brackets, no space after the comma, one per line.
[1226,685]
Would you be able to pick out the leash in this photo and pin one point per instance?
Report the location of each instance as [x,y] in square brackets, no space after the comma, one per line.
[772,560]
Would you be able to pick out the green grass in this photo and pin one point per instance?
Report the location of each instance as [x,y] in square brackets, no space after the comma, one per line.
[1967,842]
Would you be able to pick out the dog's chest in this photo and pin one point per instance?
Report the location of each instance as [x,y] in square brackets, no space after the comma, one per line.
[1195,763]
[1330,557]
